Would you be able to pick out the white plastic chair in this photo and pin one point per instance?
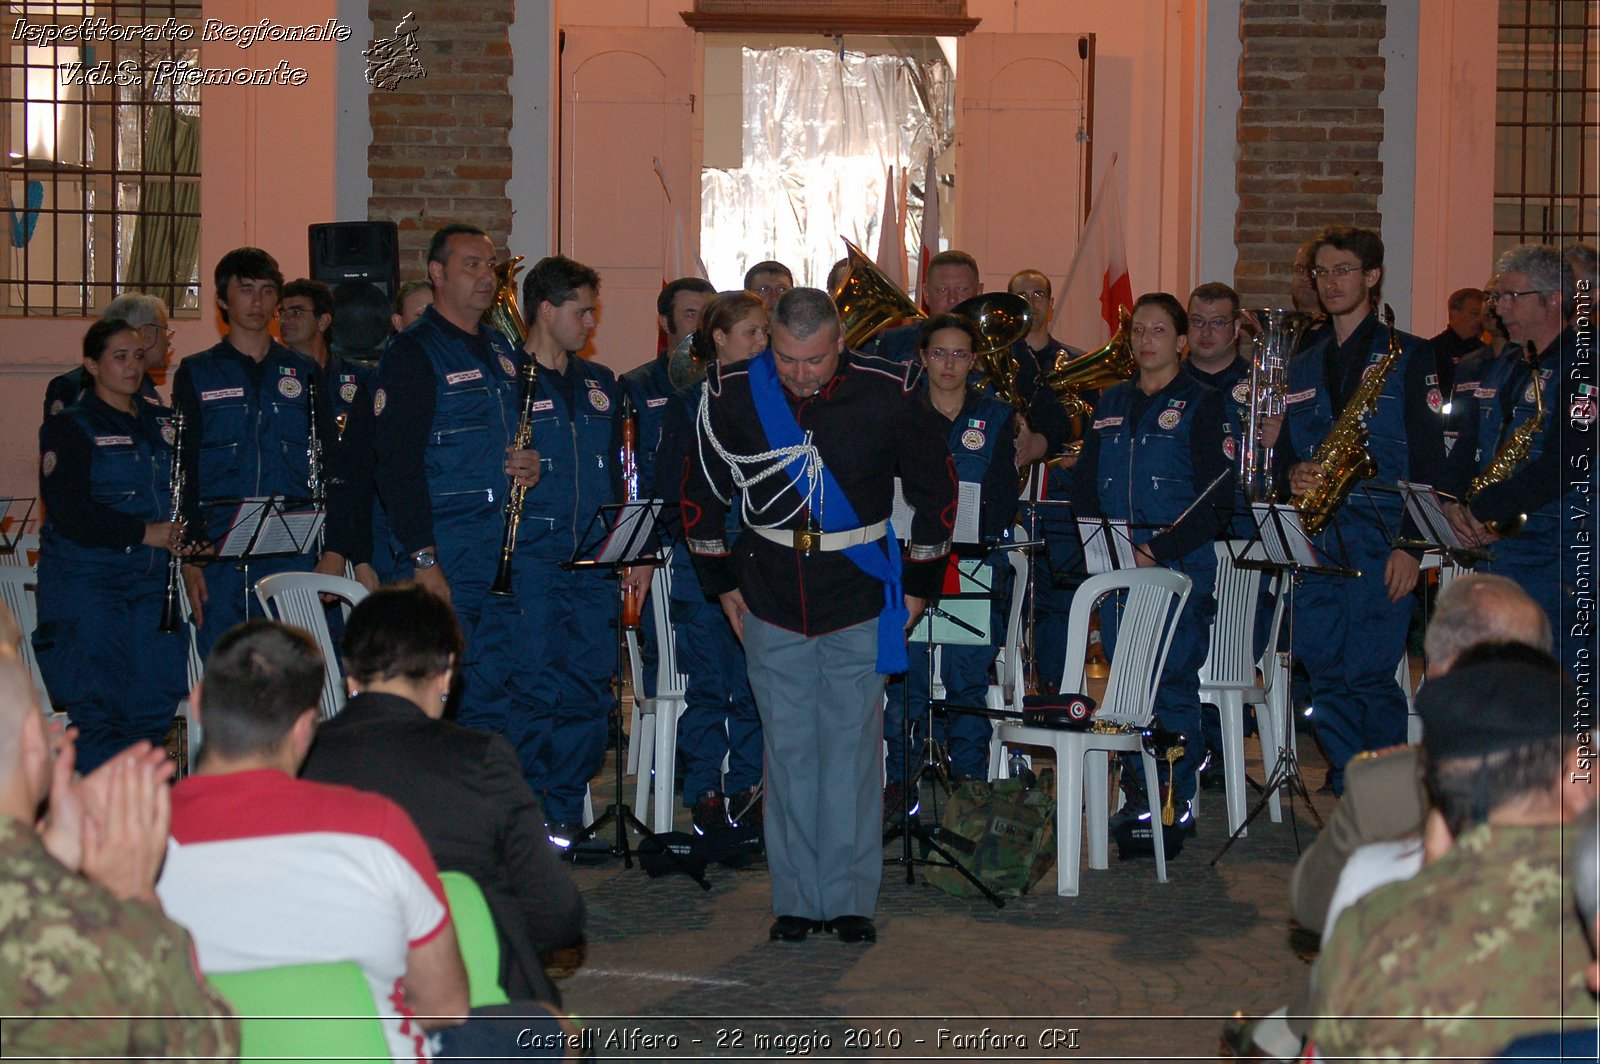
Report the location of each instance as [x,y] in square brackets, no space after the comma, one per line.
[1228,678]
[653,748]
[1155,599]
[18,585]
[1007,692]
[293,598]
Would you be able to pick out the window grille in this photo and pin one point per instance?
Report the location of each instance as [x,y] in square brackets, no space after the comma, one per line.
[100,128]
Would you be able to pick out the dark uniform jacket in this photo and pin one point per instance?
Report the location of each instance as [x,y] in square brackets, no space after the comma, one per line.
[465,791]
[868,428]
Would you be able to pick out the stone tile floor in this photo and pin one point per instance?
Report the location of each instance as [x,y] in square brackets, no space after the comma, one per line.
[1130,970]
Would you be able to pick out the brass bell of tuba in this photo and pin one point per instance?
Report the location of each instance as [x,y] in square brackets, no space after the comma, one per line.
[1002,319]
[503,313]
[1108,364]
[868,301]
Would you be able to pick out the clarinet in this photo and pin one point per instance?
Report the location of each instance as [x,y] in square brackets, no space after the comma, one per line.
[172,605]
[514,493]
[315,481]
[633,597]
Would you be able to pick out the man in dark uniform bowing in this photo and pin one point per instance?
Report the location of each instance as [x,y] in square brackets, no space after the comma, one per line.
[814,436]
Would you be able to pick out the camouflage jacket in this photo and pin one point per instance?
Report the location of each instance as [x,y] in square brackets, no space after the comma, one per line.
[1480,947]
[83,974]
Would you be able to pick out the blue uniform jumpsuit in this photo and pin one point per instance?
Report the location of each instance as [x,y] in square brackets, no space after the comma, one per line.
[720,719]
[1139,465]
[445,409]
[1552,497]
[104,475]
[1059,569]
[981,446]
[651,391]
[250,426]
[1345,630]
[565,634]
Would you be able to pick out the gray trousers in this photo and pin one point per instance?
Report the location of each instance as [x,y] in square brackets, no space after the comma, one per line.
[821,704]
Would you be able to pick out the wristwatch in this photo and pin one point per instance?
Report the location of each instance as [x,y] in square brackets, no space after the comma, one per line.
[424,559]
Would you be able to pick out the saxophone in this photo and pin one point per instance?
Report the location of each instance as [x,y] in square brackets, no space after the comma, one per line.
[1342,454]
[1512,453]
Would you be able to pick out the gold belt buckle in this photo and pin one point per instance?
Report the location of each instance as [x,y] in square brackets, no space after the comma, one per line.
[806,541]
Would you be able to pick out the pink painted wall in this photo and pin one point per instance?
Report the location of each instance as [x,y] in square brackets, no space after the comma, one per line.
[267,172]
[1452,227]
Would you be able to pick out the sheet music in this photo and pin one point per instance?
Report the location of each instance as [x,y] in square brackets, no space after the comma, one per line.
[635,521]
[973,609]
[260,529]
[969,497]
[1283,536]
[1426,507]
[1107,545]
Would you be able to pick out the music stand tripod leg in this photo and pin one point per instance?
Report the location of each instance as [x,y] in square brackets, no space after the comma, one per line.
[618,812]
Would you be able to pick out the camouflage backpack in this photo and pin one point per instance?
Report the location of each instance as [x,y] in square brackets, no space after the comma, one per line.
[1002,832]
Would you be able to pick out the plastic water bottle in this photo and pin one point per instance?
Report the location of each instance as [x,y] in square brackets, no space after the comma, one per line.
[1019,765]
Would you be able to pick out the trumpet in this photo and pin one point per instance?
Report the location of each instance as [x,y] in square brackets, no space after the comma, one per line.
[172,605]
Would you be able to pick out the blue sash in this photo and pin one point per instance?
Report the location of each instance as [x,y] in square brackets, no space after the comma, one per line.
[882,564]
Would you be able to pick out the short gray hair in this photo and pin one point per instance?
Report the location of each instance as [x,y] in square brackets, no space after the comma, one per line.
[803,311]
[1542,263]
[1482,608]
[135,308]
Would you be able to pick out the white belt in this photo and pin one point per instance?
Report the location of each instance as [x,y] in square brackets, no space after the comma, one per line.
[807,542]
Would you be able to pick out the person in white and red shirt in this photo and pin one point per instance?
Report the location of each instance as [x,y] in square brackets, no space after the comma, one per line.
[267,870]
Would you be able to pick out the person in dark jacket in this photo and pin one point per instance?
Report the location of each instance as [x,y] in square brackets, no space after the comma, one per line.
[463,788]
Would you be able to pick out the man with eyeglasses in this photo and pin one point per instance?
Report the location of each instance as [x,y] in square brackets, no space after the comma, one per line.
[1351,631]
[149,316]
[1214,360]
[1548,363]
[768,281]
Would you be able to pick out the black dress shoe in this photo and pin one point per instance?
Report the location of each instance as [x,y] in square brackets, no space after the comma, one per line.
[793,928]
[853,928]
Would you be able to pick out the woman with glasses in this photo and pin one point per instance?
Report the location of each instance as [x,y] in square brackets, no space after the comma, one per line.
[105,475]
[981,431]
[1160,454]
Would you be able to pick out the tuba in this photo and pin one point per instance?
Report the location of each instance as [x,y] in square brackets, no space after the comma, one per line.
[683,369]
[868,301]
[503,314]
[1108,364]
[1276,340]
[1343,454]
[1002,320]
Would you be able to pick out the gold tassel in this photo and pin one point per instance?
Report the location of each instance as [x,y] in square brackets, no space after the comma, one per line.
[1169,809]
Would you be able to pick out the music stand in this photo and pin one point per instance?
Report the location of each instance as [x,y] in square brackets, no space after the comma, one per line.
[1281,545]
[622,535]
[955,629]
[13,527]
[269,526]
[1425,505]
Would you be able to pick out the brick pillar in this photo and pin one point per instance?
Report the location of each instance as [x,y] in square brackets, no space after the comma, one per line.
[440,150]
[1309,131]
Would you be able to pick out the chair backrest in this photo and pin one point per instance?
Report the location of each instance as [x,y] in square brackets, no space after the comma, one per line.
[1231,659]
[1154,599]
[293,598]
[670,683]
[1008,668]
[476,937]
[17,588]
[305,1012]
